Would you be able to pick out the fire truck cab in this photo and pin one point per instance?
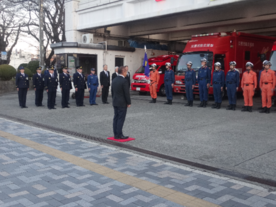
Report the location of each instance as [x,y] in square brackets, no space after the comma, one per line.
[141,81]
[223,48]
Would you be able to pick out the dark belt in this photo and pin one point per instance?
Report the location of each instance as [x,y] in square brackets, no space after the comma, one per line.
[248,84]
[203,79]
[216,82]
[266,83]
[229,82]
[94,84]
[188,80]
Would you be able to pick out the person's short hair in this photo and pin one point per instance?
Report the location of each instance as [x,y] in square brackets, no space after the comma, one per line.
[121,70]
[116,67]
[104,65]
[126,66]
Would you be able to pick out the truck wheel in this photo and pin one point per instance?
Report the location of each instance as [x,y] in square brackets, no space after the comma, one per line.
[162,91]
[73,96]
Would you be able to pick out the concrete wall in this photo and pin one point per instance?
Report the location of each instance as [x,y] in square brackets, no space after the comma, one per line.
[9,86]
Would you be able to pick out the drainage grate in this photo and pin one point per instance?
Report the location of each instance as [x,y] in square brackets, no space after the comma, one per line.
[267,182]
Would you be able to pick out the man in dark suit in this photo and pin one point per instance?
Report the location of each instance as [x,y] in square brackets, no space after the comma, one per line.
[128,76]
[105,83]
[22,86]
[38,83]
[65,87]
[115,74]
[121,101]
[80,86]
[51,83]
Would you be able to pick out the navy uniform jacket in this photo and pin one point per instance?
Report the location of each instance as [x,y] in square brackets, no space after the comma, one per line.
[190,76]
[50,83]
[22,81]
[205,74]
[169,76]
[233,77]
[218,77]
[65,81]
[79,81]
[38,81]
[92,81]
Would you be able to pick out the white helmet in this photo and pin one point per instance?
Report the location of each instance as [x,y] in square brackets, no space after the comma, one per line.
[218,64]
[267,63]
[189,63]
[203,60]
[233,63]
[249,64]
[153,65]
[264,62]
[168,64]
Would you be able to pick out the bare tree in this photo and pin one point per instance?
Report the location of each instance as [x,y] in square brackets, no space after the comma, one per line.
[10,27]
[54,25]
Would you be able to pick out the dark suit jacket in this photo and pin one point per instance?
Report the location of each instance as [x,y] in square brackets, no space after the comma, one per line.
[38,81]
[114,75]
[79,81]
[105,81]
[50,83]
[22,81]
[65,81]
[128,78]
[120,92]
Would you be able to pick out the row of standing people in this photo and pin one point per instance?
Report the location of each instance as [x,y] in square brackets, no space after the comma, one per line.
[49,82]
[231,81]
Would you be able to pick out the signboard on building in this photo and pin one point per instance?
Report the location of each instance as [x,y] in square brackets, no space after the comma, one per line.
[3,55]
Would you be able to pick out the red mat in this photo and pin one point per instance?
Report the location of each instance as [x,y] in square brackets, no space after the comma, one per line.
[121,140]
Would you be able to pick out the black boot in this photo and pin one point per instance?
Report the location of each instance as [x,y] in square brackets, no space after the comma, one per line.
[264,110]
[214,106]
[191,103]
[204,104]
[268,111]
[245,108]
[234,107]
[201,104]
[188,104]
[168,102]
[229,107]
[250,108]
[219,104]
[152,101]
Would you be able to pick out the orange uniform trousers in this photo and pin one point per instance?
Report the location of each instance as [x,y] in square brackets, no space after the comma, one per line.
[248,93]
[267,94]
[153,90]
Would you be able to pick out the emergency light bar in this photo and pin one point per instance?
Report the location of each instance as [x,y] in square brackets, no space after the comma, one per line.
[206,35]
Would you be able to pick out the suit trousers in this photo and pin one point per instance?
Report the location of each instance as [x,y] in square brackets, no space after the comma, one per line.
[22,94]
[118,120]
[79,97]
[51,98]
[65,97]
[38,97]
[105,91]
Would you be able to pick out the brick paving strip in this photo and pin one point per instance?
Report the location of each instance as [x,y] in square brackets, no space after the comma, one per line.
[160,191]
[42,168]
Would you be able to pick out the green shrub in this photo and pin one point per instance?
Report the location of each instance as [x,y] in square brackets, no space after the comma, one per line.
[7,72]
[33,65]
[22,64]
[29,73]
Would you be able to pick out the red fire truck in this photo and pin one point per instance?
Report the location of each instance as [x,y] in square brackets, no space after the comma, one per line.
[223,48]
[141,82]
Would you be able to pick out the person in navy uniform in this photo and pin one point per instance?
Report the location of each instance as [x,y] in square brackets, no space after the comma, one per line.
[65,87]
[190,81]
[169,82]
[232,85]
[47,71]
[51,83]
[80,86]
[22,86]
[92,84]
[38,83]
[218,84]
[204,79]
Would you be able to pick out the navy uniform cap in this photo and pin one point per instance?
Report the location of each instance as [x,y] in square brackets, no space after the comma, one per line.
[51,68]
[21,68]
[79,67]
[93,69]
[65,67]
[39,68]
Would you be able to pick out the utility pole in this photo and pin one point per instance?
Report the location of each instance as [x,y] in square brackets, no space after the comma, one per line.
[41,45]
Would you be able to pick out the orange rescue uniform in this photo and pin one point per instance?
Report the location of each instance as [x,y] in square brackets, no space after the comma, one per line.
[267,84]
[154,80]
[248,84]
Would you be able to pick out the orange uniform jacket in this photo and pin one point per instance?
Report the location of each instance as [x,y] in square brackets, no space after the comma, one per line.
[249,78]
[267,77]
[154,77]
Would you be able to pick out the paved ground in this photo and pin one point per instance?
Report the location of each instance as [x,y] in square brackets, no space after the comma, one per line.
[242,142]
[42,168]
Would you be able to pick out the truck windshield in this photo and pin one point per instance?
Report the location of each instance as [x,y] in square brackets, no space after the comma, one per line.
[142,69]
[195,58]
[273,61]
